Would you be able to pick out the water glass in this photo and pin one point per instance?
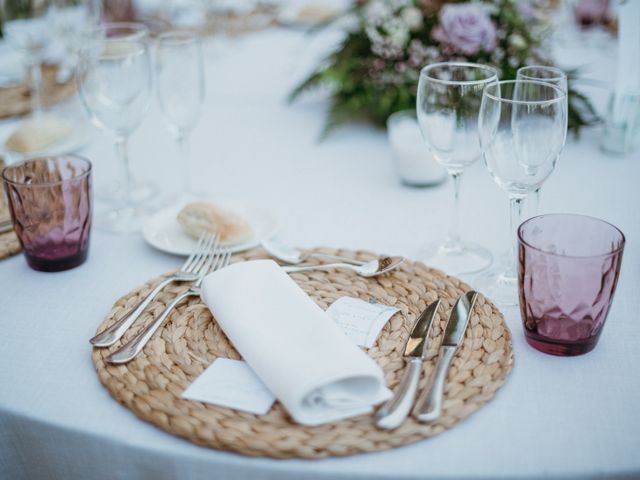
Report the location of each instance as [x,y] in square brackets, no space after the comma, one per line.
[568,271]
[50,203]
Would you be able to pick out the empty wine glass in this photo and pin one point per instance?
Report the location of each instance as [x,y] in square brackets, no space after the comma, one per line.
[523,127]
[76,22]
[26,27]
[180,86]
[449,97]
[114,80]
[548,74]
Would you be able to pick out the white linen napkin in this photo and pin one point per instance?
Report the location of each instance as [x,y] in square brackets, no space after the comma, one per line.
[299,353]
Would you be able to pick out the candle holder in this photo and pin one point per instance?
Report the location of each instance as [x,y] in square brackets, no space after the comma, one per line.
[414,164]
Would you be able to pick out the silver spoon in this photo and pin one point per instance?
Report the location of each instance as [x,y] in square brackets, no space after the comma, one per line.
[368,269]
[292,255]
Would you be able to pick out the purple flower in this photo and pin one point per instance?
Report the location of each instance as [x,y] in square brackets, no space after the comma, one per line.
[592,12]
[465,28]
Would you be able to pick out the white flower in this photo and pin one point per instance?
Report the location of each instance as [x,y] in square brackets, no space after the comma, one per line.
[412,17]
[517,41]
[397,32]
[377,11]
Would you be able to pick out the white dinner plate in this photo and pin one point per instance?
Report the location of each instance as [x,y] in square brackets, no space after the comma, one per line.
[162,230]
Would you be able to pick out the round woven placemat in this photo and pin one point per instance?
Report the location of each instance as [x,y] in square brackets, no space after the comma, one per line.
[9,243]
[16,99]
[152,383]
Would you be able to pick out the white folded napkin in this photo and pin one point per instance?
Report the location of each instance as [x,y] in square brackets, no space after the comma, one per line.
[299,353]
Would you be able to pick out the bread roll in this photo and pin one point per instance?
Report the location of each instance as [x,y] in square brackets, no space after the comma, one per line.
[198,217]
[37,134]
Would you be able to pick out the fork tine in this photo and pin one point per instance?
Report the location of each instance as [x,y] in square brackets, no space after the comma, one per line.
[206,250]
[186,266]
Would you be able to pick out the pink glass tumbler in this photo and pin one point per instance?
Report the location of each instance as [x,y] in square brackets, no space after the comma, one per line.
[568,268]
[50,203]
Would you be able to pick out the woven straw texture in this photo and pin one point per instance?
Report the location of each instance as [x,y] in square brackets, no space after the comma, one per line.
[152,383]
[16,99]
[9,243]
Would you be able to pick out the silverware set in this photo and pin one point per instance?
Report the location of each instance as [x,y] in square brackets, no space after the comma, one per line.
[295,257]
[428,407]
[206,257]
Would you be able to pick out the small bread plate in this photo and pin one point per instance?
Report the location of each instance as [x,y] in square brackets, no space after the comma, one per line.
[162,230]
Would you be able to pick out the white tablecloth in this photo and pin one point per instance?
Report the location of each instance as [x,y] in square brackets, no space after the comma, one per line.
[554,417]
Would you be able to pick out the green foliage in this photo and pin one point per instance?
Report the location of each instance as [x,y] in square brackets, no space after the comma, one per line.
[365,84]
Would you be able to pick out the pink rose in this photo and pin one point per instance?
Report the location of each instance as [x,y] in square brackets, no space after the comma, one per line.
[465,28]
[592,12]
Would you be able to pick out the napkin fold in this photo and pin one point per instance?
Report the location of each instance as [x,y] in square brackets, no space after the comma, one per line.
[291,344]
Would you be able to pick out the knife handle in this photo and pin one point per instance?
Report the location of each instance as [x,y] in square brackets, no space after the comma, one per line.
[429,405]
[393,413]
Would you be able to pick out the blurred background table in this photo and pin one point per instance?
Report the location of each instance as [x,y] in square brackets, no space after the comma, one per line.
[555,417]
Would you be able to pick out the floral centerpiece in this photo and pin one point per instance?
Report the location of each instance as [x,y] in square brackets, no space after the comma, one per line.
[375,71]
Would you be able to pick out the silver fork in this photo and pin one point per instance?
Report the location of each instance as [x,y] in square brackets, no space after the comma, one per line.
[128,351]
[207,244]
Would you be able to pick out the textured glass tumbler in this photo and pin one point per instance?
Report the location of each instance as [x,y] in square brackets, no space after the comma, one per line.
[568,267]
[50,203]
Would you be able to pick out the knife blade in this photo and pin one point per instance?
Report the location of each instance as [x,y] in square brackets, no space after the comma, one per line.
[393,413]
[429,405]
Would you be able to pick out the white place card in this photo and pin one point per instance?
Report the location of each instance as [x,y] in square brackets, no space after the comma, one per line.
[361,321]
[231,383]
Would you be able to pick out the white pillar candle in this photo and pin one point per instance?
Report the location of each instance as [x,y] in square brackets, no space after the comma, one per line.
[413,161]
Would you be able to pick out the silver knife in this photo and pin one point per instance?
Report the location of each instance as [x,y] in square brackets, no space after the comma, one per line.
[429,405]
[393,413]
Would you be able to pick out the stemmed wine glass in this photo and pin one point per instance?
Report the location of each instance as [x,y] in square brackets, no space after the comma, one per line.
[523,127]
[449,97]
[76,22]
[114,81]
[26,27]
[180,87]
[548,74]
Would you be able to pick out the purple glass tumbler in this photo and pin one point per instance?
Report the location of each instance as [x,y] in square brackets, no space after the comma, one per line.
[568,268]
[50,203]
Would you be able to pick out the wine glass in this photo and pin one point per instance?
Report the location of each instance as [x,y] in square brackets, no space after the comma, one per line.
[114,81]
[523,128]
[548,74]
[26,27]
[140,191]
[76,22]
[180,87]
[449,97]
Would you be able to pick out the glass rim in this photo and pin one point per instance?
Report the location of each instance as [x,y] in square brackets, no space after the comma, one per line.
[141,49]
[139,26]
[479,66]
[562,94]
[178,37]
[47,184]
[560,74]
[576,257]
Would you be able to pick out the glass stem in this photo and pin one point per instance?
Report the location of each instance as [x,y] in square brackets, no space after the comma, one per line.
[453,239]
[536,202]
[516,218]
[35,73]
[185,161]
[121,143]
